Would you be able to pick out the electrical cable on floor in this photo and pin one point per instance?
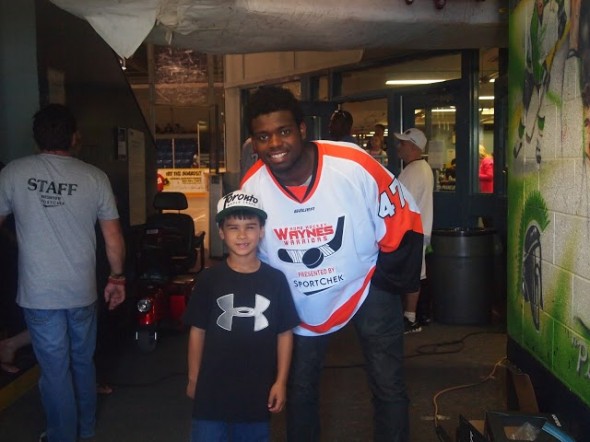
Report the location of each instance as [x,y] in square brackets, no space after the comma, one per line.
[433,348]
[440,432]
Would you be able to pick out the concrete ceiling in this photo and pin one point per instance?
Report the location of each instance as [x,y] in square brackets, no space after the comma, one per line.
[249,26]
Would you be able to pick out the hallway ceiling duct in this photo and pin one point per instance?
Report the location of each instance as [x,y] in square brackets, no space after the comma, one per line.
[247,26]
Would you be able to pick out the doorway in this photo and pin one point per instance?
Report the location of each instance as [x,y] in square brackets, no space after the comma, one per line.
[435,110]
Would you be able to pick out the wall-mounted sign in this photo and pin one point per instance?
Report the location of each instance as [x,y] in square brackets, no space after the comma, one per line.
[56,86]
[183,180]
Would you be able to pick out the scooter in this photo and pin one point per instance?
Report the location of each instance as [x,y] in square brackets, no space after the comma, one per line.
[167,266]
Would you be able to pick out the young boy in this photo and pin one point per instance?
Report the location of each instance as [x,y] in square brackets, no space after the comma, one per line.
[241,315]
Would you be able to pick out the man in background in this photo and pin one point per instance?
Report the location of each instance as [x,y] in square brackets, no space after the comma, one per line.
[56,200]
[418,178]
[380,133]
[341,126]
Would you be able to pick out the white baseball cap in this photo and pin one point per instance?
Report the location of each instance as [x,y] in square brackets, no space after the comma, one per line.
[238,200]
[414,135]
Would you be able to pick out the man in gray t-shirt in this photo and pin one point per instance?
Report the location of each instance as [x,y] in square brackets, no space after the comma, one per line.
[56,200]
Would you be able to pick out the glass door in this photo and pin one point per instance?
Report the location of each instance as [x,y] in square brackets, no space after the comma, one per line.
[437,110]
[317,118]
[436,116]
[463,137]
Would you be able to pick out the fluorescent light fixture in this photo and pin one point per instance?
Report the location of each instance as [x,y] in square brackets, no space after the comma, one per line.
[412,82]
[486,97]
[489,78]
[444,109]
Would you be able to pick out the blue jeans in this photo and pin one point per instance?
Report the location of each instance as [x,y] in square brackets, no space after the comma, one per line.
[64,343]
[219,431]
[380,328]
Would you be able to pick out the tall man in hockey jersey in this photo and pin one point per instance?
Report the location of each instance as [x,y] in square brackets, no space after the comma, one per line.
[348,237]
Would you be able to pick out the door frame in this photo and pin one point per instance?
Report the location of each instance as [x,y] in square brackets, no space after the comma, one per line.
[450,208]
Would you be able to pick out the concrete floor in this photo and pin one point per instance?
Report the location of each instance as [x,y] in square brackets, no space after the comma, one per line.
[148,402]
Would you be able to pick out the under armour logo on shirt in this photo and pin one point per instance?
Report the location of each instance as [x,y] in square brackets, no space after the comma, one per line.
[226,303]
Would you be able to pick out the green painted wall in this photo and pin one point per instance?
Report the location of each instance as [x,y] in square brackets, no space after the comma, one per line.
[549,186]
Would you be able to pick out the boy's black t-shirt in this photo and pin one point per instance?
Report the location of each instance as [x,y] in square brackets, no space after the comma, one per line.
[242,314]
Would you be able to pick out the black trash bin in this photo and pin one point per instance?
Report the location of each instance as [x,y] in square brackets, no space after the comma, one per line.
[461,275]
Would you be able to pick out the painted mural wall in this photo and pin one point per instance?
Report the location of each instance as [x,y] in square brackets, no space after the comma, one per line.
[549,186]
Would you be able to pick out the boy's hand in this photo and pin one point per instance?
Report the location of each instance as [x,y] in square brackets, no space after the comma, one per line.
[277,398]
[190,389]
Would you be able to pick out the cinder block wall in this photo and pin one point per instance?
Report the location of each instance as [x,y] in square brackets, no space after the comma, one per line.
[549,189]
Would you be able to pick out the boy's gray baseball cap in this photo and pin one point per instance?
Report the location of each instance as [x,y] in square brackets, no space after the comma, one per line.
[236,201]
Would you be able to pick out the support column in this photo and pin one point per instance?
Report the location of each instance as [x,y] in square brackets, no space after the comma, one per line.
[19,83]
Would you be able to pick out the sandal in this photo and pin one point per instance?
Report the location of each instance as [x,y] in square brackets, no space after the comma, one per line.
[104,389]
[7,353]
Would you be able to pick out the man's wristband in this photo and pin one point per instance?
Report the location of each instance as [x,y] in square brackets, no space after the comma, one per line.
[117,279]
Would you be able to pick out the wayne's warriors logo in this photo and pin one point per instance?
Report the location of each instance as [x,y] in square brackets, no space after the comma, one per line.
[313,256]
[322,241]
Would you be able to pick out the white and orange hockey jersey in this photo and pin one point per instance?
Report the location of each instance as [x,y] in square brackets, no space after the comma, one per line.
[327,244]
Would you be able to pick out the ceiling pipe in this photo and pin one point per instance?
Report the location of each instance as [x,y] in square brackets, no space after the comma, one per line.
[438,3]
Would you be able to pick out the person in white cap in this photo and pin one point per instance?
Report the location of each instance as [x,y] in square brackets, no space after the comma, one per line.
[418,178]
[240,315]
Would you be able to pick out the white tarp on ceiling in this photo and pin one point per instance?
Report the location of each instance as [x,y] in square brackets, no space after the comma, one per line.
[244,26]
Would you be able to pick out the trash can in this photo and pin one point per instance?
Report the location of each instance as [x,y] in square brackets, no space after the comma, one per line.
[461,275]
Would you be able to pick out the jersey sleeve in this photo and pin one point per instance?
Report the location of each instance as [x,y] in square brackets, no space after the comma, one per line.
[399,234]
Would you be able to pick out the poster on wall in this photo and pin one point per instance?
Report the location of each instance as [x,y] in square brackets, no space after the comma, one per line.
[436,154]
[56,86]
[137,190]
[548,151]
[182,180]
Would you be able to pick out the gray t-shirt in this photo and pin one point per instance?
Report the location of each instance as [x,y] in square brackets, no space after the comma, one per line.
[56,201]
